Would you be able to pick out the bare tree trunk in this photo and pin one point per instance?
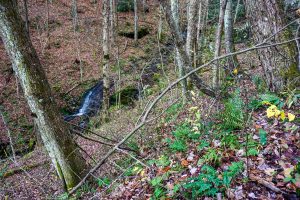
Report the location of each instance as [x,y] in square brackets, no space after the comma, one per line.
[180,44]
[112,22]
[191,27]
[66,158]
[236,11]
[229,42]
[136,21]
[201,25]
[175,16]
[106,57]
[74,15]
[47,21]
[26,16]
[160,23]
[216,69]
[266,18]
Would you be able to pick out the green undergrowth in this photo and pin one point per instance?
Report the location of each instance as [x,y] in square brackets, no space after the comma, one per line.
[203,157]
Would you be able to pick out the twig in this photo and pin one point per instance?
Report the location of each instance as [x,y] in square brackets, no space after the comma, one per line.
[92,132]
[9,136]
[133,157]
[100,142]
[144,121]
[267,184]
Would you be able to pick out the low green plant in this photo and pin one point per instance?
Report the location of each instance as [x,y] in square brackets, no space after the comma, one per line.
[162,161]
[210,182]
[232,115]
[211,156]
[233,170]
[230,140]
[103,182]
[206,184]
[172,112]
[265,99]
[203,144]
[158,186]
[177,145]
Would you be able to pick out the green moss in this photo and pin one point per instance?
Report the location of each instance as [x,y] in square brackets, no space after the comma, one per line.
[128,31]
[128,95]
[291,75]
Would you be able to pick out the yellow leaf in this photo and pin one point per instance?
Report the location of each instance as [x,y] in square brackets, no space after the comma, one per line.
[193,93]
[266,103]
[277,113]
[282,115]
[271,111]
[235,71]
[193,108]
[291,117]
[287,172]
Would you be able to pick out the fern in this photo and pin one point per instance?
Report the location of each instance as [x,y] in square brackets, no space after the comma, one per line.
[232,115]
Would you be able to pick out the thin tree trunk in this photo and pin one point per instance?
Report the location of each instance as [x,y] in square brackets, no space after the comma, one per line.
[201,27]
[74,15]
[112,20]
[180,44]
[160,23]
[236,11]
[26,16]
[229,41]
[191,27]
[47,21]
[66,158]
[106,57]
[136,21]
[216,69]
[179,62]
[266,18]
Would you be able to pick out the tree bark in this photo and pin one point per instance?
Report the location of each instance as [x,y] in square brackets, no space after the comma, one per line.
[106,56]
[178,58]
[26,16]
[74,15]
[136,21]
[216,69]
[191,27]
[228,32]
[266,18]
[180,44]
[66,158]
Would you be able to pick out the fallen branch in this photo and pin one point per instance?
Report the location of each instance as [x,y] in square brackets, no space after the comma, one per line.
[100,142]
[267,184]
[17,170]
[155,101]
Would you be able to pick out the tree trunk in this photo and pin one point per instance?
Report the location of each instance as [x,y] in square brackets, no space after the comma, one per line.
[191,27]
[74,15]
[216,69]
[228,31]
[179,63]
[26,16]
[106,57]
[266,18]
[201,25]
[180,44]
[66,158]
[236,11]
[136,21]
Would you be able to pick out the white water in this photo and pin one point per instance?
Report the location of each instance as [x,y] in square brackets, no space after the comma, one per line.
[84,107]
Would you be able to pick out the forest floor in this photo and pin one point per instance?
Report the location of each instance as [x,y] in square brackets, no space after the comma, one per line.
[257,159]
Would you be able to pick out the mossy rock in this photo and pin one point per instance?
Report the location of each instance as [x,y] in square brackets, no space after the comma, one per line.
[128,31]
[125,6]
[128,95]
